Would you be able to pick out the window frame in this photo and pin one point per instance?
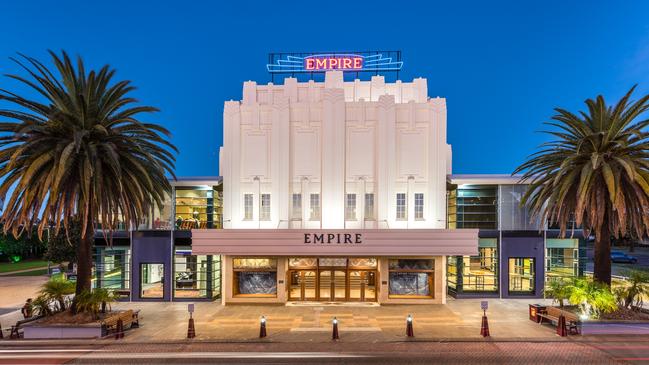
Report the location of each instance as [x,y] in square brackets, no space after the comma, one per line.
[401,211]
[264,207]
[350,207]
[315,209]
[248,207]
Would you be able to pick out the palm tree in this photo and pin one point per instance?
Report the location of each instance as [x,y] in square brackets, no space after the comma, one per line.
[595,172]
[79,152]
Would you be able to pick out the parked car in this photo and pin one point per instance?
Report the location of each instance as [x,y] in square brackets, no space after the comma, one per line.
[621,257]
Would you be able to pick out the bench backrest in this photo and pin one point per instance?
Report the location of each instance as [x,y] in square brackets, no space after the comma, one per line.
[126,316]
[556,312]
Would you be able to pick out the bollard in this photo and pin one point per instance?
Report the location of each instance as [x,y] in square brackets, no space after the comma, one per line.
[191,331]
[561,326]
[409,331]
[484,330]
[119,330]
[334,334]
[262,327]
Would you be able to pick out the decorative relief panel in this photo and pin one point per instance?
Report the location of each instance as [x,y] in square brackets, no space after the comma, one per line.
[305,152]
[412,153]
[255,154]
[360,152]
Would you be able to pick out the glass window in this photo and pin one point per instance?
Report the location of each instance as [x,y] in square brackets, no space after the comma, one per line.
[451,209]
[254,263]
[302,262]
[476,206]
[111,269]
[296,207]
[480,273]
[191,274]
[561,258]
[451,272]
[247,207]
[255,277]
[195,208]
[264,213]
[152,280]
[216,276]
[521,275]
[315,207]
[419,206]
[257,283]
[411,278]
[401,206]
[362,262]
[369,207]
[332,261]
[350,207]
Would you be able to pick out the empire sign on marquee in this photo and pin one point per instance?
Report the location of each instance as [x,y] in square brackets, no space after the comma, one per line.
[333,238]
[373,61]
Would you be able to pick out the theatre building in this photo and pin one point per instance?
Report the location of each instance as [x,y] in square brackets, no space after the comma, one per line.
[335,191]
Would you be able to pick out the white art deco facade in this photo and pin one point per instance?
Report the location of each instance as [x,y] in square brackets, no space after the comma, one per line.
[333,191]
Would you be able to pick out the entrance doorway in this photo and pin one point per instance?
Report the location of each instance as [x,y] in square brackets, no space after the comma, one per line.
[332,279]
[303,285]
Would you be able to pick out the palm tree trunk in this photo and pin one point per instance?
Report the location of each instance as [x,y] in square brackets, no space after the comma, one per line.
[602,270]
[84,265]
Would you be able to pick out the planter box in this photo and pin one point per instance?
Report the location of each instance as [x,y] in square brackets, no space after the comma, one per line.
[613,327]
[39,331]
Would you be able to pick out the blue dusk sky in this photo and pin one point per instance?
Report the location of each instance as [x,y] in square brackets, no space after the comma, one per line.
[503,66]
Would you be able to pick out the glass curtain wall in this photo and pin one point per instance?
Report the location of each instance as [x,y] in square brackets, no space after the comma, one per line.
[476,206]
[513,215]
[561,258]
[480,273]
[196,276]
[198,207]
[112,268]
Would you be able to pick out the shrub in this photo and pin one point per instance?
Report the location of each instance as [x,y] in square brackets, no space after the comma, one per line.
[92,301]
[86,302]
[57,289]
[41,306]
[593,298]
[559,290]
[637,287]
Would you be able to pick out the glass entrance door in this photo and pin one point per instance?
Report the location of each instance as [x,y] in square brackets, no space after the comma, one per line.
[339,288]
[325,285]
[151,280]
[302,285]
[362,285]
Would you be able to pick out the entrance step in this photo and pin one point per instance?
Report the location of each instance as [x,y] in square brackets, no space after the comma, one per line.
[341,329]
[332,304]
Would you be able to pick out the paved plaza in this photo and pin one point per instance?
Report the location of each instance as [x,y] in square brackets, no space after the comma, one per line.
[459,319]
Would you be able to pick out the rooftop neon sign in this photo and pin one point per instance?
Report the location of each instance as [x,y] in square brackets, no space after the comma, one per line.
[326,62]
[372,61]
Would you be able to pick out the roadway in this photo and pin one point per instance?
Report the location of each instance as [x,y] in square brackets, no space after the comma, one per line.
[595,350]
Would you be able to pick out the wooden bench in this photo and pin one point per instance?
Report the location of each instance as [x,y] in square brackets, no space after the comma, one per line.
[122,293]
[129,318]
[552,315]
[16,330]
